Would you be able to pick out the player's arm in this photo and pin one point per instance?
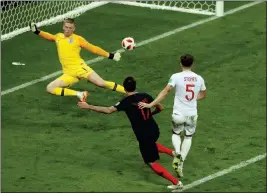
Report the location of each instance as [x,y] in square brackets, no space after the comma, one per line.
[161,96]
[97,50]
[99,109]
[43,34]
[201,95]
[158,109]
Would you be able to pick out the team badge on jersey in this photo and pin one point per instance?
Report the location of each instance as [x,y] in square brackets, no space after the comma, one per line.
[71,40]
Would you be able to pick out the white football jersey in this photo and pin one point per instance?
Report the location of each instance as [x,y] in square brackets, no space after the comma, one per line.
[187,86]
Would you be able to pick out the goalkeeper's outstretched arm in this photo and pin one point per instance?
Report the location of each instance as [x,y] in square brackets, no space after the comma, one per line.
[43,34]
[99,51]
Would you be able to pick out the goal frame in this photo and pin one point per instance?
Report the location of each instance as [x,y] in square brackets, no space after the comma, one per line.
[219,7]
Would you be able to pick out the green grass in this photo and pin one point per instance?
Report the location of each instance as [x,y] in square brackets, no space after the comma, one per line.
[48,144]
[246,179]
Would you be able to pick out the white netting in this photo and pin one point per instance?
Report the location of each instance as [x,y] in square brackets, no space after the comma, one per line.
[198,7]
[16,15]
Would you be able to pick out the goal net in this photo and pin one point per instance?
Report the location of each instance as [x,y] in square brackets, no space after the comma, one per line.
[16,15]
[197,7]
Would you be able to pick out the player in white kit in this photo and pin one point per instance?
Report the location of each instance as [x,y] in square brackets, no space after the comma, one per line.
[189,88]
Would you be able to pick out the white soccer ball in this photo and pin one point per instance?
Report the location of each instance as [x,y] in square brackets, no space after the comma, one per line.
[128,43]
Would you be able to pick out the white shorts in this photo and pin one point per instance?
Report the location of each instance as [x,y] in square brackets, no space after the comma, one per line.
[184,123]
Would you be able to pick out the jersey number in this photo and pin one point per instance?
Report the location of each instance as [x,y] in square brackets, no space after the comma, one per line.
[189,89]
[145,113]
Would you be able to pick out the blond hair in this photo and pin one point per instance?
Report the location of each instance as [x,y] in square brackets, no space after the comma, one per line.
[69,20]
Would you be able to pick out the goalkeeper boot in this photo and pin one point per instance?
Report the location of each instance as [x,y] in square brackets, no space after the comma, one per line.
[178,186]
[82,96]
[177,164]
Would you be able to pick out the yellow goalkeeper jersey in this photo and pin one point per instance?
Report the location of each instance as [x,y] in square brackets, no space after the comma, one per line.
[69,49]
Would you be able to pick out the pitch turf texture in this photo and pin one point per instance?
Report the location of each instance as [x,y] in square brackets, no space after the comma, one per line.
[48,144]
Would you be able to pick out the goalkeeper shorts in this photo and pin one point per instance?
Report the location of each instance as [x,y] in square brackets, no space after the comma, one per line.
[71,77]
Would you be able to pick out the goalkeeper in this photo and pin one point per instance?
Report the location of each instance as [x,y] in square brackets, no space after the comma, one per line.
[74,67]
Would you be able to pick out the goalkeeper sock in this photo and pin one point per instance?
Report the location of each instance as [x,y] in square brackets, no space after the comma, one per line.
[64,92]
[161,171]
[163,149]
[176,142]
[115,87]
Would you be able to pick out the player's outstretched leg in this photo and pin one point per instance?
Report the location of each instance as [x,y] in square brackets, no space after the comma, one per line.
[163,149]
[98,81]
[114,86]
[161,171]
[56,87]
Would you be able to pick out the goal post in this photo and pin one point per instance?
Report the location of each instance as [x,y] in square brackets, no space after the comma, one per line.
[196,7]
[219,8]
[16,14]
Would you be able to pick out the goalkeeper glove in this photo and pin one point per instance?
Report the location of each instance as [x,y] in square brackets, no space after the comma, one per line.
[34,28]
[116,56]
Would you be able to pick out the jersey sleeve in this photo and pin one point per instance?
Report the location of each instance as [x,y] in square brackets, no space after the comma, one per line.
[172,81]
[47,36]
[92,48]
[203,86]
[120,106]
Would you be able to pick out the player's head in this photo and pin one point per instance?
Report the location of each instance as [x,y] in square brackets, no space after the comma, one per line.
[186,60]
[129,84]
[68,27]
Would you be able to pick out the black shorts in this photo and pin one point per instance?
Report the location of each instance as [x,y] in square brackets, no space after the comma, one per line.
[149,152]
[148,149]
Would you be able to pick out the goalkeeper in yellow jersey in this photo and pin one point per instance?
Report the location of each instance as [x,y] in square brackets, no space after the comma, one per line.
[74,67]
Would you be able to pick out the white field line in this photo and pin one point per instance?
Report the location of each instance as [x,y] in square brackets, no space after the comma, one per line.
[142,43]
[223,172]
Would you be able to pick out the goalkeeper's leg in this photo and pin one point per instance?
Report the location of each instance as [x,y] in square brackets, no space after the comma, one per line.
[58,87]
[98,81]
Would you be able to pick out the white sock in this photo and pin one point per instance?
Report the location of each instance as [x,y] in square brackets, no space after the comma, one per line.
[186,146]
[176,142]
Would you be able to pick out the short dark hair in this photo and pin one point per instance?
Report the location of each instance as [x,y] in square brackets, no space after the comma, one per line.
[129,84]
[69,20]
[187,60]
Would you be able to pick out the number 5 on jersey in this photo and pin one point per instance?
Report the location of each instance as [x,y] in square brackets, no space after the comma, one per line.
[190,91]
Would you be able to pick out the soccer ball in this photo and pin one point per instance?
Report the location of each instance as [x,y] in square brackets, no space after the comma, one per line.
[128,43]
